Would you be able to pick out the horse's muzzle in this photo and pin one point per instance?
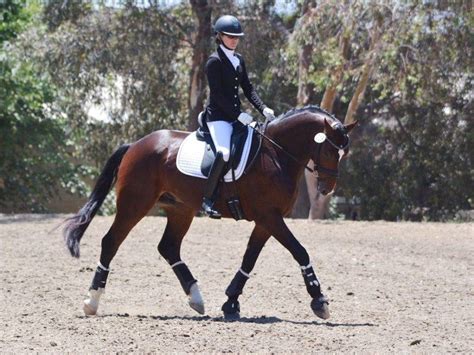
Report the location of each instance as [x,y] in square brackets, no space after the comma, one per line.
[326,187]
[324,191]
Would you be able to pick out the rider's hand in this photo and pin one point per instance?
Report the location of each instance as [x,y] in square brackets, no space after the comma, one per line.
[268,113]
[245,118]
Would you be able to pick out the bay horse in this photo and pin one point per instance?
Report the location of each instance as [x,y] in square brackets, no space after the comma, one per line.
[145,173]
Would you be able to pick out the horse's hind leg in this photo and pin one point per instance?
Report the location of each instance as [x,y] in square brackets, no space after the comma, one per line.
[179,220]
[258,238]
[133,203]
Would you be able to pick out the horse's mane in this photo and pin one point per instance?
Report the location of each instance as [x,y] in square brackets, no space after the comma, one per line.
[310,108]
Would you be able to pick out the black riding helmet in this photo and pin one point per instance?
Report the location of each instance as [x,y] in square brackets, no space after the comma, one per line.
[228,25]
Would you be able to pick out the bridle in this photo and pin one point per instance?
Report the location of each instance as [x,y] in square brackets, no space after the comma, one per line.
[317,163]
[317,166]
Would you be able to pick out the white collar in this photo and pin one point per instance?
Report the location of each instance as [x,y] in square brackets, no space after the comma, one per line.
[228,52]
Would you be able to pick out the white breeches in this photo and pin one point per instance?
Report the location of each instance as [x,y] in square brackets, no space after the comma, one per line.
[221,132]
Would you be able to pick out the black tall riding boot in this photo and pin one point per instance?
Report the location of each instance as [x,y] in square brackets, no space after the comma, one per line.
[210,189]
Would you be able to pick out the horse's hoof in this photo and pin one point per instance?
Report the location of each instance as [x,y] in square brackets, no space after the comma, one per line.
[92,303]
[195,299]
[231,316]
[231,310]
[90,307]
[320,307]
[198,307]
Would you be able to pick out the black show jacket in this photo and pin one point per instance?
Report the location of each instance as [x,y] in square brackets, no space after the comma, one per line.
[224,82]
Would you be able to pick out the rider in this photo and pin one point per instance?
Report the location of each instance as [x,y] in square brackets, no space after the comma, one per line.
[226,71]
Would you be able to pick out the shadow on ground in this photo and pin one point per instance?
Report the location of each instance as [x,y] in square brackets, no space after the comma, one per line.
[255,320]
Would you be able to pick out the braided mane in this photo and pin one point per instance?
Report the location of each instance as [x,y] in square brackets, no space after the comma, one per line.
[311,108]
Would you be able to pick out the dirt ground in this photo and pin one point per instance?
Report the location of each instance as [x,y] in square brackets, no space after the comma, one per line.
[392,287]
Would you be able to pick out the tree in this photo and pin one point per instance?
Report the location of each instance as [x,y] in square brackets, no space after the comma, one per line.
[201,49]
[346,40]
[34,156]
[421,131]
[127,63]
[305,93]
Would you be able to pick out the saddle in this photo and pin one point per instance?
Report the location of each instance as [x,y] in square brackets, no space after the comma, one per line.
[197,152]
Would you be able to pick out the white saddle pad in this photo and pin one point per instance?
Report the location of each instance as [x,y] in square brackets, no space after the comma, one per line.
[191,152]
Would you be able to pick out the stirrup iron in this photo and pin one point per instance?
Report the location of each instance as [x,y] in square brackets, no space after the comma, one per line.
[207,207]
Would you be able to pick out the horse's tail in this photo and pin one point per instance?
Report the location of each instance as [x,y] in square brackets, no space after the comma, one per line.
[76,225]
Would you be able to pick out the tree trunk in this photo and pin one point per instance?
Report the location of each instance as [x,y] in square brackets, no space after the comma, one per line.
[319,204]
[201,50]
[304,88]
[301,206]
[369,65]
[305,92]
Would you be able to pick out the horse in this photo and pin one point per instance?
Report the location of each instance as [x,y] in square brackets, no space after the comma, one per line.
[145,173]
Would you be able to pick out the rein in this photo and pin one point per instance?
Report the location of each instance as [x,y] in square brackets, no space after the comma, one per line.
[283,149]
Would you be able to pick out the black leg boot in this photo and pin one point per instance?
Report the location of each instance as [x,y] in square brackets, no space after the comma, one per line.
[211,186]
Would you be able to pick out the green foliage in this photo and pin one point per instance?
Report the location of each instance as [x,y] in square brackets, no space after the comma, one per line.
[129,63]
[57,12]
[418,107]
[33,158]
[13,19]
[413,158]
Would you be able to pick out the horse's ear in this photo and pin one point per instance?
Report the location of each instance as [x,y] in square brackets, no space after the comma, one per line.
[327,127]
[350,126]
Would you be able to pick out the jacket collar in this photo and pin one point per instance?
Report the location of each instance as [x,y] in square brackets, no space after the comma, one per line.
[224,57]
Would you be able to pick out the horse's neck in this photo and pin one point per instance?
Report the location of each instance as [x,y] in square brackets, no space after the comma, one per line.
[296,134]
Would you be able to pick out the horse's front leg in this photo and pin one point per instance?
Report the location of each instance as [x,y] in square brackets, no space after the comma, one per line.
[257,240]
[277,227]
